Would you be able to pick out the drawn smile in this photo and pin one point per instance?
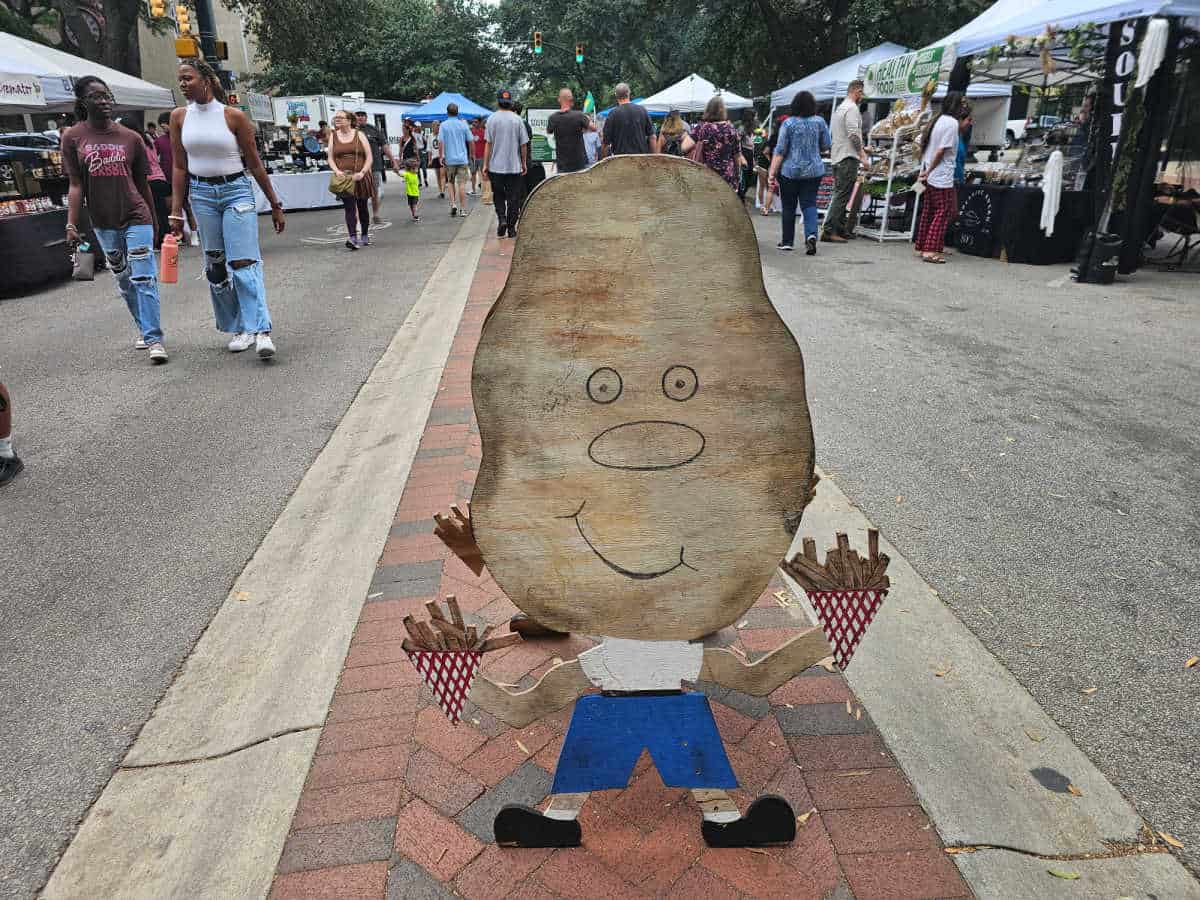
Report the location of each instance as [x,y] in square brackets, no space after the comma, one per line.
[621,570]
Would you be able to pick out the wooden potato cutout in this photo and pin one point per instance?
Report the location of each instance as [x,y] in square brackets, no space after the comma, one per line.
[646,438]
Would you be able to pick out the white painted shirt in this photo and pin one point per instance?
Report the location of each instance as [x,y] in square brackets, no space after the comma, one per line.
[621,664]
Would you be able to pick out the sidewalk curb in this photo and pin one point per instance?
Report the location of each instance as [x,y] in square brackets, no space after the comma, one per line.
[963,738]
[203,800]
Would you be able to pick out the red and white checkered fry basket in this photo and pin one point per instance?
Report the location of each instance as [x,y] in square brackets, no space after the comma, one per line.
[845,616]
[449,674]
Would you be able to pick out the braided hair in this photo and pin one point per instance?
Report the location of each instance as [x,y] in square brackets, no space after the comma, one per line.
[208,74]
[81,87]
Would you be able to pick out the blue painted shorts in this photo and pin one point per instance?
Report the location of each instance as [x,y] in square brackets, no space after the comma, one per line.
[608,734]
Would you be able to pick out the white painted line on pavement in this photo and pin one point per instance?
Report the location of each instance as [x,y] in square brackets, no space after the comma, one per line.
[202,804]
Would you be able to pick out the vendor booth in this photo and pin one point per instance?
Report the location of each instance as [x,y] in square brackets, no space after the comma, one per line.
[36,80]
[435,109]
[691,95]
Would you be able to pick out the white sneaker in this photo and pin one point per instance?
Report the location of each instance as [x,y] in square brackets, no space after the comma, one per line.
[264,346]
[158,354]
[140,343]
[240,342]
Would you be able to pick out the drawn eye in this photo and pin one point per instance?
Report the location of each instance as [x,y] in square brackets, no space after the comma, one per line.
[680,383]
[604,385]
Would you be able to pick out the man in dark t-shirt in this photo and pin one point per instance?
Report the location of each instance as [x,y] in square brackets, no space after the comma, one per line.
[379,149]
[628,128]
[568,126]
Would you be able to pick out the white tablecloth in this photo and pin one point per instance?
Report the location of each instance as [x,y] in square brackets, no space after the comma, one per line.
[302,190]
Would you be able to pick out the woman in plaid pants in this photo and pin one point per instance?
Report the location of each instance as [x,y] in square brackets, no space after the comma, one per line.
[939,201]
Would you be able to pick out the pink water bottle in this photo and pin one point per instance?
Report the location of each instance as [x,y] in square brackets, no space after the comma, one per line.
[168,269]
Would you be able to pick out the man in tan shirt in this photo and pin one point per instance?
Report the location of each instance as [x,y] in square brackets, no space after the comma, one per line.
[846,154]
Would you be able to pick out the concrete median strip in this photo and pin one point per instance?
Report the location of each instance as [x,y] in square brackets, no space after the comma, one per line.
[988,764]
[203,800]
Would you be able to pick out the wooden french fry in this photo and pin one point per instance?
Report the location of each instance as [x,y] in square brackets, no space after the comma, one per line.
[435,611]
[873,544]
[428,638]
[414,632]
[456,615]
[810,549]
[505,640]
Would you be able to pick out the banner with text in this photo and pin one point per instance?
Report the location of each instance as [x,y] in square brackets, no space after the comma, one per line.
[21,90]
[906,74]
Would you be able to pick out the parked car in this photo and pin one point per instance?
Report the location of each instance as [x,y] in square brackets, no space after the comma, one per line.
[23,147]
[1018,131]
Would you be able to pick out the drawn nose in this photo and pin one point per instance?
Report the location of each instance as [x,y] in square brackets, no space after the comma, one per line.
[646,446]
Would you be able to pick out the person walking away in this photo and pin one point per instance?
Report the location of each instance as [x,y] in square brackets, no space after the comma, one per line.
[478,142]
[568,126]
[108,168]
[408,146]
[456,154]
[847,153]
[422,145]
[535,172]
[505,163]
[162,145]
[746,133]
[799,168]
[671,134]
[380,150]
[213,148]
[939,145]
[350,154]
[159,188]
[435,157]
[720,144]
[627,128]
[591,142]
[10,463]
[412,186]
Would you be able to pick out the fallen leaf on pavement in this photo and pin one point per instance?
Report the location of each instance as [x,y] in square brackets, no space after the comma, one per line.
[1034,645]
[1171,839]
[1069,876]
[1089,691]
[1011,440]
[758,850]
[1074,791]
[900,499]
[803,820]
[742,624]
[858,714]
[522,748]
[942,673]
[373,596]
[241,595]
[959,849]
[849,709]
[828,665]
[556,661]
[1191,662]
[1034,736]
[851,774]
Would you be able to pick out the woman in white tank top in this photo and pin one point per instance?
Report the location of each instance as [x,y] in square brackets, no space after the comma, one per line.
[214,148]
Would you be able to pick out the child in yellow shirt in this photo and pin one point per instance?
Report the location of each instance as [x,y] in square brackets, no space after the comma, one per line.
[412,187]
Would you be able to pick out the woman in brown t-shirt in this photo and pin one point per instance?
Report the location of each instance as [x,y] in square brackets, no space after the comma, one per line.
[350,153]
[108,168]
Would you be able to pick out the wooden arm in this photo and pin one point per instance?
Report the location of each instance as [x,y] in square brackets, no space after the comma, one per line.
[759,678]
[561,685]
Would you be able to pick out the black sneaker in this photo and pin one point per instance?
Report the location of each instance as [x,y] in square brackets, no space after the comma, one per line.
[512,231]
[782,246]
[10,468]
[811,243]
[500,229]
[350,245]
[453,211]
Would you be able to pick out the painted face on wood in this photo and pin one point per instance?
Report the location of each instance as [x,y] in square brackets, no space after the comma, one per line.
[646,438]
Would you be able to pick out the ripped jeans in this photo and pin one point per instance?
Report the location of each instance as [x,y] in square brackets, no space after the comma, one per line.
[228,225]
[130,255]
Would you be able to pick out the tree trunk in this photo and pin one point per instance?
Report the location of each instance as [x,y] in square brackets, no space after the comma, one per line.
[839,32]
[121,48]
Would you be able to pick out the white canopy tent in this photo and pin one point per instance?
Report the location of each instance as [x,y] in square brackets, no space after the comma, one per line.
[832,82]
[691,95]
[58,70]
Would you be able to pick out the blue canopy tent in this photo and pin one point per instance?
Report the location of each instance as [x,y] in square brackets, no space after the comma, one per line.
[435,109]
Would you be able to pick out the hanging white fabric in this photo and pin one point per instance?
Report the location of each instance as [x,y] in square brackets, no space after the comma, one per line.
[1052,182]
[1153,51]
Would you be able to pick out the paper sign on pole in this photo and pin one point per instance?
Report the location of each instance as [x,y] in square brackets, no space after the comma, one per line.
[21,90]
[542,147]
[259,107]
[906,74]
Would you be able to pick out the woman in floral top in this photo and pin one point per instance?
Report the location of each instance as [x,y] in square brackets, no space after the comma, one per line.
[722,145]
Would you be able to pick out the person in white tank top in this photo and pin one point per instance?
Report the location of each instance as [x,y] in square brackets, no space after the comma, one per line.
[213,148]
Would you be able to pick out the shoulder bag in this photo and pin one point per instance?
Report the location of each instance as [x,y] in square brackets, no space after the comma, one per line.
[343,185]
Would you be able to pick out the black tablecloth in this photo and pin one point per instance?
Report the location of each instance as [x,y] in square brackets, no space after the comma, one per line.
[995,220]
[33,250]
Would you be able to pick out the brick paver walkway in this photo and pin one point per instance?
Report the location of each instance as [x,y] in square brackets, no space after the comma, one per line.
[399,803]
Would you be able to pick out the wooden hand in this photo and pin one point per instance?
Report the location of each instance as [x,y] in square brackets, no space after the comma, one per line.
[456,533]
[759,678]
[561,685]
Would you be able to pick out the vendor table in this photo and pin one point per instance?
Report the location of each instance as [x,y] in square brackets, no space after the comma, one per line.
[301,190]
[33,250]
[999,220]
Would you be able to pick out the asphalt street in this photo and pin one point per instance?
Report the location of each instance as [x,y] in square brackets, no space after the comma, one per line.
[1031,445]
[147,489]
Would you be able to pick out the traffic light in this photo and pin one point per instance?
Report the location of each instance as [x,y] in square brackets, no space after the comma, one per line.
[579,53]
[222,49]
[537,42]
[158,8]
[181,16]
[187,47]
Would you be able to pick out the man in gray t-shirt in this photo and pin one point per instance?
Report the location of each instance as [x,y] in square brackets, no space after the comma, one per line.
[505,160]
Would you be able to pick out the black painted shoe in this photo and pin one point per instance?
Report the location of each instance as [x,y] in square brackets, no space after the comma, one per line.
[769,820]
[501,229]
[10,468]
[520,826]
[531,628]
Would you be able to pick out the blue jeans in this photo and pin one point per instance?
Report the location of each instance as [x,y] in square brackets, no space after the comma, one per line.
[130,255]
[802,192]
[232,261]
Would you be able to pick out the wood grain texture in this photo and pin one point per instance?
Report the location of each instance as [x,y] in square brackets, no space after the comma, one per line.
[558,687]
[646,437]
[772,671]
